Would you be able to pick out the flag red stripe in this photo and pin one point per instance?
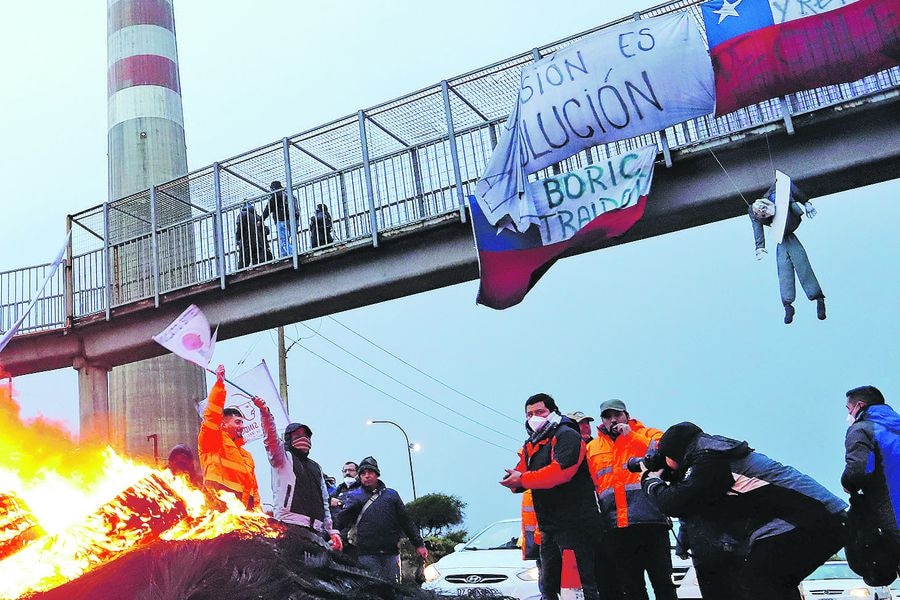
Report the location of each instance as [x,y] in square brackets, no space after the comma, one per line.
[506,276]
[838,46]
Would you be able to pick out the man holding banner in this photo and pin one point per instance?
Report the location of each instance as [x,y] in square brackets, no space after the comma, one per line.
[226,464]
[300,496]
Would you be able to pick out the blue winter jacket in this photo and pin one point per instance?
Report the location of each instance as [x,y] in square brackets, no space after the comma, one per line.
[382,524]
[873,463]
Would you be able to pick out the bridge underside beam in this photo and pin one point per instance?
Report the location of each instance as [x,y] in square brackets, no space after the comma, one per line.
[831,152]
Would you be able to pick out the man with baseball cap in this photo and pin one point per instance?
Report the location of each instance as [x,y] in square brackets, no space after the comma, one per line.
[636,533]
[584,424]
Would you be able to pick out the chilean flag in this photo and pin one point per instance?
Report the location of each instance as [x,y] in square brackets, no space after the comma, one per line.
[511,263]
[764,49]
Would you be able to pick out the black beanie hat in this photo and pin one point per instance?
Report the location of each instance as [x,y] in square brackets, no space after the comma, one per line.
[369,464]
[675,440]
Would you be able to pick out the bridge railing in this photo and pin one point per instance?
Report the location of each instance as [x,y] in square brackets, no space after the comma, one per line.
[406,161]
[19,286]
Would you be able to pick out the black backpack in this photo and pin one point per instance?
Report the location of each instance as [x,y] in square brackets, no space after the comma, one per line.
[869,552]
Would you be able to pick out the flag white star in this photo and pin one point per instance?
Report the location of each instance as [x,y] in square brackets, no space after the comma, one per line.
[729,9]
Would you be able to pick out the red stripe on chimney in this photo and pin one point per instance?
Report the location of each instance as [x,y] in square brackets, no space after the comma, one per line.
[125,13]
[143,69]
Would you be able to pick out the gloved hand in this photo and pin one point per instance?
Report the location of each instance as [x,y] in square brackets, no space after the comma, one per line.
[810,210]
[760,252]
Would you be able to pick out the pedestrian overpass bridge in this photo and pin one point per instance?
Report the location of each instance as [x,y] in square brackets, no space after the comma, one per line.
[394,178]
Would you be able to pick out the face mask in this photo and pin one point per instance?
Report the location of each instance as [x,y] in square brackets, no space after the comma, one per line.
[348,481]
[536,422]
[850,419]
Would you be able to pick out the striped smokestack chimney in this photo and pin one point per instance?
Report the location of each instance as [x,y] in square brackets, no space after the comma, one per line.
[146,148]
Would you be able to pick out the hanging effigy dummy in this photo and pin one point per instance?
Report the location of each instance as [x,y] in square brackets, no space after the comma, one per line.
[782,209]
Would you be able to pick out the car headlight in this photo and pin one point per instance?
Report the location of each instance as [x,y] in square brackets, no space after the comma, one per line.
[531,574]
[431,573]
[859,592]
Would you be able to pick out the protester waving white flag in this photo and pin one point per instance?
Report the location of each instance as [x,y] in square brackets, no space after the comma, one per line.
[257,381]
[615,84]
[188,336]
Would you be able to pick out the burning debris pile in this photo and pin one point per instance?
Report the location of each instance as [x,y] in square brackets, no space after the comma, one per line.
[81,522]
[67,509]
[233,567]
[18,527]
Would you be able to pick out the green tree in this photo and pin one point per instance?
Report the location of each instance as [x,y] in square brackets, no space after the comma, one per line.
[437,513]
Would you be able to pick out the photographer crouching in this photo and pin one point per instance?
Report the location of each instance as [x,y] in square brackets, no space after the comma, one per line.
[756,527]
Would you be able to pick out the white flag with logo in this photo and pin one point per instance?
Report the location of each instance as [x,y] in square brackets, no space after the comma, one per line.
[188,336]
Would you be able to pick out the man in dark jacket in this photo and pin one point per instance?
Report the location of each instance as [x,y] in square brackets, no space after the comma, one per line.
[252,238]
[757,528]
[552,464]
[279,207]
[380,518]
[320,227]
[298,486]
[873,458]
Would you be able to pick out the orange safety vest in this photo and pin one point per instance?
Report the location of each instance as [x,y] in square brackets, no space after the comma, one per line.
[224,461]
[619,494]
[531,535]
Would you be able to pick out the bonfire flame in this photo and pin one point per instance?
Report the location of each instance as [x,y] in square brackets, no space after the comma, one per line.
[66,509]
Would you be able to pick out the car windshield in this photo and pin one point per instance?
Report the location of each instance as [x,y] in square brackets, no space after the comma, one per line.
[833,571]
[499,536]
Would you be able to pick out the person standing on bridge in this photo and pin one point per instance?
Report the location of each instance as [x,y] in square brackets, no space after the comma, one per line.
[790,253]
[279,208]
[225,463]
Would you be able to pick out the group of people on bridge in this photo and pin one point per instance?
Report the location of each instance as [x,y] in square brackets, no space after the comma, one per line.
[252,234]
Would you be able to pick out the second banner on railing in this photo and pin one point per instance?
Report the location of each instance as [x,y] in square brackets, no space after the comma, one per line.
[575,210]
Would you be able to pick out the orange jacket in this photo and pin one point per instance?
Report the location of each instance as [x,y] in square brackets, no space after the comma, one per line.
[224,461]
[531,535]
[622,502]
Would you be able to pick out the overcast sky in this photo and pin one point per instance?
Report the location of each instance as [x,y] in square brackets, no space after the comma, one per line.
[686,326]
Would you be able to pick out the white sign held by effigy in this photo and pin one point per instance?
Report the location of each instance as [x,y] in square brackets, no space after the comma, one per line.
[615,84]
[782,205]
[188,336]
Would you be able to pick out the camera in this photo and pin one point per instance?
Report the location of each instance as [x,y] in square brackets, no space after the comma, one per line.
[652,462]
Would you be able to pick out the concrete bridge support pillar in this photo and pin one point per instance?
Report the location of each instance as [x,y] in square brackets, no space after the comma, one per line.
[96,423]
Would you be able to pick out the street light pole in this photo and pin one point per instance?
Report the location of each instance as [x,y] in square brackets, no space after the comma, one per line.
[409,449]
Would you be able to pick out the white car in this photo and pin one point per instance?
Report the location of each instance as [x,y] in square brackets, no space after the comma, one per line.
[836,581]
[491,564]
